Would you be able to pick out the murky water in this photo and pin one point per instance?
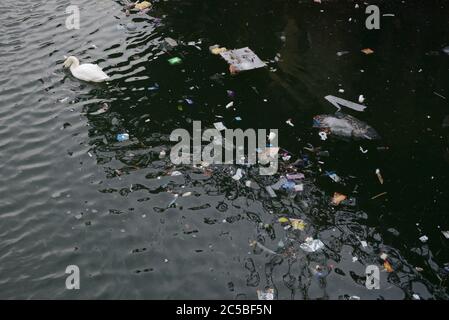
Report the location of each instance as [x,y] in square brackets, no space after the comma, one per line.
[70,194]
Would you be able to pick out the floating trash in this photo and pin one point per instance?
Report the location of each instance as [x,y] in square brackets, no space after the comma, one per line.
[311,245]
[297,176]
[243,59]
[122,137]
[367,51]
[323,135]
[175,61]
[388,266]
[171,42]
[216,49]
[338,102]
[423,239]
[143,5]
[268,294]
[238,175]
[379,176]
[345,126]
[338,198]
[298,224]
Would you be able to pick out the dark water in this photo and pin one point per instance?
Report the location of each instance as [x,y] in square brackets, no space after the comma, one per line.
[71,194]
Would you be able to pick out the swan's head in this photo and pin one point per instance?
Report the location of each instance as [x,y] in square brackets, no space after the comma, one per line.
[71,61]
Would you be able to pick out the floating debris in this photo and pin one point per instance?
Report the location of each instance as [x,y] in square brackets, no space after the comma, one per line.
[238,175]
[337,102]
[216,49]
[379,176]
[143,5]
[345,126]
[311,245]
[243,59]
[268,294]
[261,246]
[367,51]
[297,176]
[338,198]
[379,195]
[229,105]
[175,61]
[122,137]
[298,224]
[323,135]
[423,239]
[388,266]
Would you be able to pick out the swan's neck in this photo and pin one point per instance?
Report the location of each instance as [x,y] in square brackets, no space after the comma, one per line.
[75,63]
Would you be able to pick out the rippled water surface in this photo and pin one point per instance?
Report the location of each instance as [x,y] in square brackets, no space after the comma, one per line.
[71,194]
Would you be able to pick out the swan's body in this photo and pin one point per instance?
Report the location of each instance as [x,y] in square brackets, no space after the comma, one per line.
[86,72]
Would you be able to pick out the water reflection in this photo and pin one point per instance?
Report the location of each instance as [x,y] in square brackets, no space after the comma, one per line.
[140,231]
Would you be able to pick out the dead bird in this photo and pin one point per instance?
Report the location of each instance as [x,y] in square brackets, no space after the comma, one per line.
[344,125]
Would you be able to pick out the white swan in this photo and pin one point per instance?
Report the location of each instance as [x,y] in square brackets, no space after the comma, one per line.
[86,72]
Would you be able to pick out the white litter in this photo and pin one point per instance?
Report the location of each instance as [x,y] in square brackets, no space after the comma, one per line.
[243,59]
[265,295]
[361,98]
[335,177]
[289,122]
[364,244]
[323,135]
[176,173]
[271,136]
[384,256]
[445,234]
[238,175]
[230,104]
[338,102]
[312,245]
[423,238]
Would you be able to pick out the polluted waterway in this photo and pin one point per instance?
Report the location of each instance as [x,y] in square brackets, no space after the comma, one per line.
[362,119]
